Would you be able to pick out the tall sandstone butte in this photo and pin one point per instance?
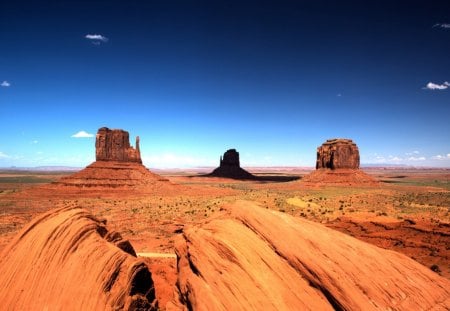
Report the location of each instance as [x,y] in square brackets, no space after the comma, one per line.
[338,153]
[114,145]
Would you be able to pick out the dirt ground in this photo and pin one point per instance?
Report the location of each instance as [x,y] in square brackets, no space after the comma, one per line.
[408,211]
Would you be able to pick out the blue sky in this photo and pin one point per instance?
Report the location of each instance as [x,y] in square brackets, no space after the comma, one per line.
[273,79]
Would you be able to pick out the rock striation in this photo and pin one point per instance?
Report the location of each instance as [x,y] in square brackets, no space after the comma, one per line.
[114,145]
[230,167]
[66,259]
[251,258]
[338,153]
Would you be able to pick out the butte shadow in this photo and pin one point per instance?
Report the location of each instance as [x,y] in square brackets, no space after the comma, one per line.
[230,167]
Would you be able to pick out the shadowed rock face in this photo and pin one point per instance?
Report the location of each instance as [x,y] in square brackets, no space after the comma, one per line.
[252,258]
[66,259]
[337,154]
[114,145]
[230,167]
[230,158]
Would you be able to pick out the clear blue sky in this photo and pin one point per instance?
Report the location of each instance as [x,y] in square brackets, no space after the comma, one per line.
[273,79]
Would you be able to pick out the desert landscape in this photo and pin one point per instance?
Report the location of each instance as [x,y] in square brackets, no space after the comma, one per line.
[186,224]
[225,155]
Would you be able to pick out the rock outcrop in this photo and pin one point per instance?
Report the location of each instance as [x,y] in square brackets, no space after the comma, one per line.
[252,258]
[114,145]
[230,167]
[337,163]
[338,153]
[66,259]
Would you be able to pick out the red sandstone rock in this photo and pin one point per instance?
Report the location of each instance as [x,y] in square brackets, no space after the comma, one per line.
[114,145]
[338,153]
[253,259]
[66,259]
[118,166]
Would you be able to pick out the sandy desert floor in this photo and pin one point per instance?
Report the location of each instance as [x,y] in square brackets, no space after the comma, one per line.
[408,212]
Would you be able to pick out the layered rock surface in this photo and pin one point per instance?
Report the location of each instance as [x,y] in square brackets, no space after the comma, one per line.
[66,259]
[253,258]
[338,153]
[230,167]
[114,145]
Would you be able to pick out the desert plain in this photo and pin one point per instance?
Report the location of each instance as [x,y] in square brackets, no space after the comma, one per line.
[407,210]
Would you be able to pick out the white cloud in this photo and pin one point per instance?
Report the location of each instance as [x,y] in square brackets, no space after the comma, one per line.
[96,39]
[82,134]
[434,86]
[415,152]
[416,159]
[5,84]
[4,156]
[444,25]
[441,157]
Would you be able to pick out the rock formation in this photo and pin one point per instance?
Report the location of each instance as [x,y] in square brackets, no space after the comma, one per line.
[252,258]
[114,145]
[338,153]
[66,259]
[117,165]
[230,167]
[338,163]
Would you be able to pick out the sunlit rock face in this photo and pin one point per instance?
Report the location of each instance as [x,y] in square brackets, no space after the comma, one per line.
[338,153]
[114,145]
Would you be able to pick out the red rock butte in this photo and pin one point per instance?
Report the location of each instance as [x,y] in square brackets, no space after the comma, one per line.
[114,145]
[118,165]
[338,163]
[230,167]
[338,153]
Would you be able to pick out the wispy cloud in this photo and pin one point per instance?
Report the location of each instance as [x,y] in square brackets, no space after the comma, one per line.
[5,84]
[441,157]
[444,25]
[434,86]
[96,39]
[82,134]
[4,156]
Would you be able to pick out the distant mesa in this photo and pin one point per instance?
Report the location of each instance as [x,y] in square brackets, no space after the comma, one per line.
[338,163]
[230,167]
[117,165]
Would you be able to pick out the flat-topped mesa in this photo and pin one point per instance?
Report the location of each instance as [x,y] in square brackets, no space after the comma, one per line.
[114,145]
[338,153]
